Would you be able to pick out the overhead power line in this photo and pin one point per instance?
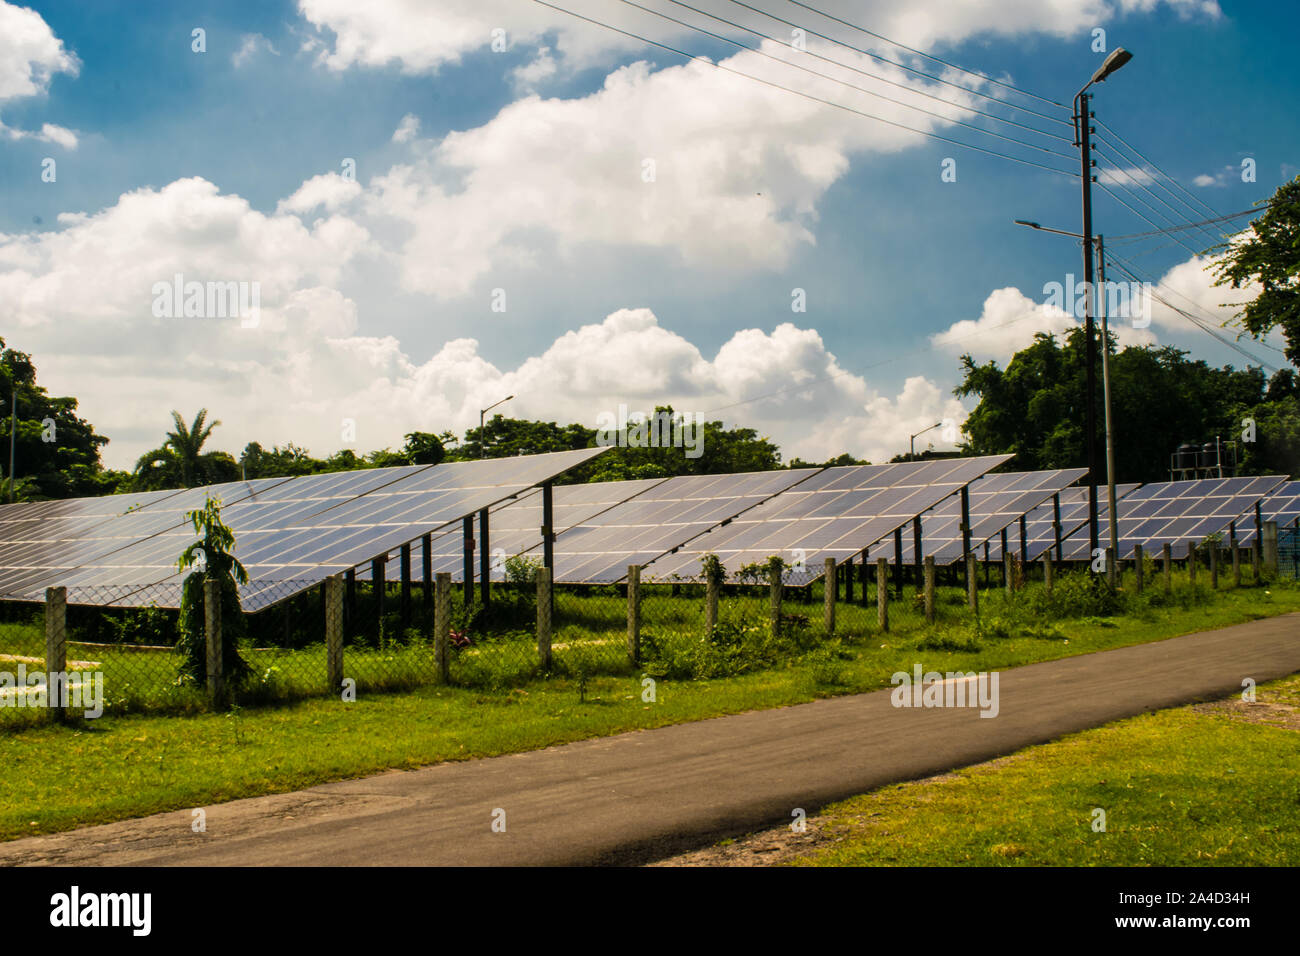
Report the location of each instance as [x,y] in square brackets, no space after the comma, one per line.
[808,96]
[847,66]
[903,66]
[928,56]
[833,79]
[1181,188]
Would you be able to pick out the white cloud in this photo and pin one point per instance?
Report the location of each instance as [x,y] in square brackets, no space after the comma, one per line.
[1010,320]
[48,133]
[1131,177]
[249,45]
[407,128]
[328,190]
[30,53]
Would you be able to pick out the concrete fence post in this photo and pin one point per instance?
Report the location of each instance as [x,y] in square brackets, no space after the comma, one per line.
[1269,546]
[710,605]
[212,629]
[829,595]
[972,582]
[774,600]
[634,612]
[1167,557]
[1139,570]
[1047,570]
[929,589]
[442,625]
[334,632]
[1236,557]
[1006,571]
[56,648]
[882,593]
[544,617]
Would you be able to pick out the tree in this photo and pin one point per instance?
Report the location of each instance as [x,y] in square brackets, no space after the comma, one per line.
[424,448]
[212,557]
[56,454]
[1035,408]
[181,462]
[1270,257]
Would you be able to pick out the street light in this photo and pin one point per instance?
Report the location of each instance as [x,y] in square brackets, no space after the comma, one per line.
[911,439]
[482,443]
[1083,139]
[1113,519]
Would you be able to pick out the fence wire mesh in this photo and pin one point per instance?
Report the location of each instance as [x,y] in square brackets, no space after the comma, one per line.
[144,646]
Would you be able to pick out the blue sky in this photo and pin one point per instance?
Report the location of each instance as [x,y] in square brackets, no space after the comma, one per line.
[524,174]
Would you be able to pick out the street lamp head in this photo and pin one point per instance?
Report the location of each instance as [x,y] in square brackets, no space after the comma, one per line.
[1118,57]
[1025,222]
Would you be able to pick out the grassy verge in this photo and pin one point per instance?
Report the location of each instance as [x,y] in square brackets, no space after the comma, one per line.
[1210,784]
[116,767]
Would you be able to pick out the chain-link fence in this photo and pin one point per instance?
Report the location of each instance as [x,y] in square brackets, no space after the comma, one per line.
[160,648]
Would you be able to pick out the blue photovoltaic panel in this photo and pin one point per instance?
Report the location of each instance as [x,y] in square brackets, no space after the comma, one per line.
[659,519]
[515,527]
[996,502]
[1179,513]
[1039,523]
[835,513]
[290,533]
[1283,506]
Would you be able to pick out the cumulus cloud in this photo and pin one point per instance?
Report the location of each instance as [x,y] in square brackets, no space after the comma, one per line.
[1010,320]
[328,190]
[30,53]
[84,294]
[407,128]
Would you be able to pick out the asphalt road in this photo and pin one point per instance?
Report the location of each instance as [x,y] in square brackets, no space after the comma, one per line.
[649,794]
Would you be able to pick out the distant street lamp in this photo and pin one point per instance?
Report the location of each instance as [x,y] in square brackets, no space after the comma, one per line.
[482,443]
[911,439]
[1113,521]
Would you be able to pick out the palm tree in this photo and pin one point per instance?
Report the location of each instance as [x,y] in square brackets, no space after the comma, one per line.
[180,460]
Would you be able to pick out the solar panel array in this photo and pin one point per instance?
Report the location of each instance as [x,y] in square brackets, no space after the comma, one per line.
[514,527]
[1040,531]
[1283,506]
[290,533]
[1179,513]
[995,502]
[834,513]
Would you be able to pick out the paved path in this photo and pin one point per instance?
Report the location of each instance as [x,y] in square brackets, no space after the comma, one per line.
[648,794]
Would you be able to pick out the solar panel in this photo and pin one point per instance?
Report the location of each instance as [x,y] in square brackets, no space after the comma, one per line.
[296,530]
[995,503]
[835,513]
[1178,513]
[659,519]
[1283,506]
[1040,531]
[514,527]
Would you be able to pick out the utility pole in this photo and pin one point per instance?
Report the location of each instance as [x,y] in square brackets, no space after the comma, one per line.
[1083,137]
[1105,379]
[13,436]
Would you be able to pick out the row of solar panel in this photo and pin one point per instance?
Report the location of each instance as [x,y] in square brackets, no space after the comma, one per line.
[297,531]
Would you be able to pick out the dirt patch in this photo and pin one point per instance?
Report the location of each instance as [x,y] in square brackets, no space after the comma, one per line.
[1275,713]
[765,848]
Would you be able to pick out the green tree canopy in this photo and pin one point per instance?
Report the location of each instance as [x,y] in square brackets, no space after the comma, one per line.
[1270,257]
[56,454]
[1034,409]
[180,461]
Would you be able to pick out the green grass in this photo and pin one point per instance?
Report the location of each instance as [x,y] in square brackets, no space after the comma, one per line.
[1184,787]
[57,778]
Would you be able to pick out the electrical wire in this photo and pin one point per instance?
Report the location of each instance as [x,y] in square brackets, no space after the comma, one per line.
[852,86]
[904,66]
[928,56]
[1206,206]
[808,96]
